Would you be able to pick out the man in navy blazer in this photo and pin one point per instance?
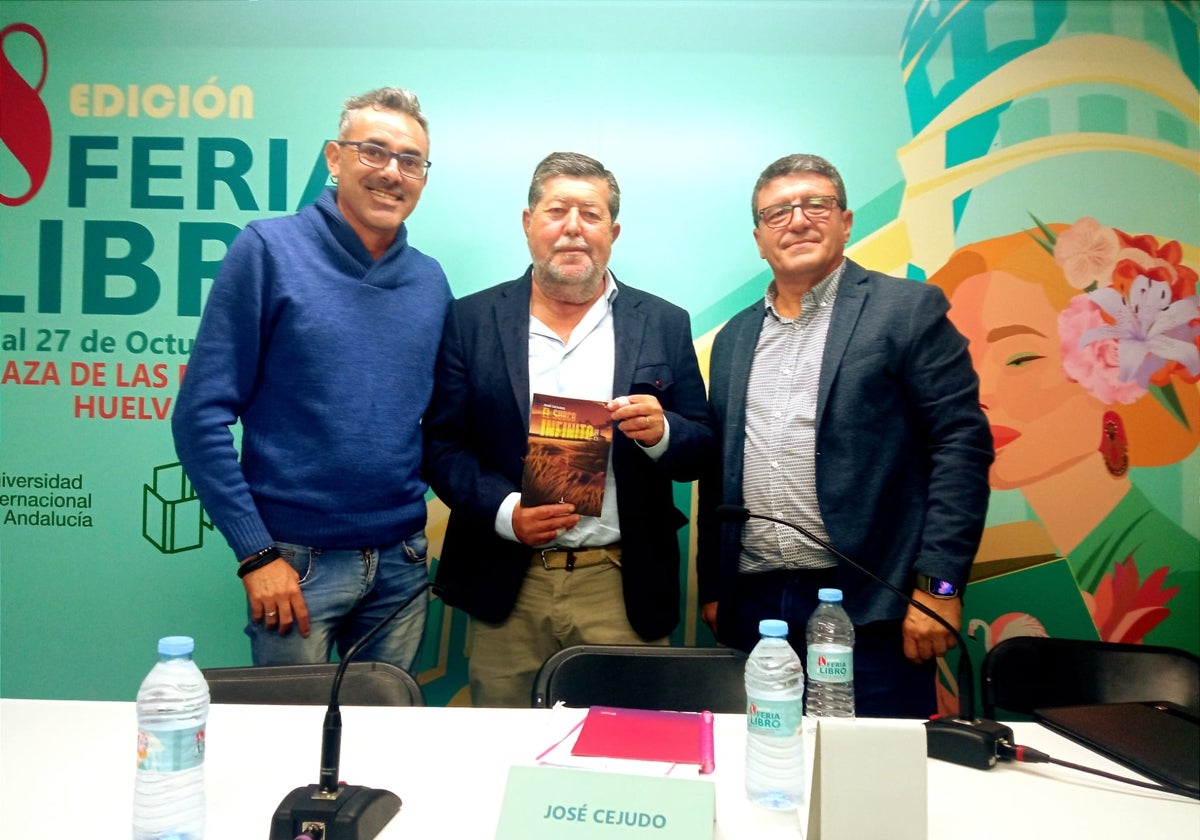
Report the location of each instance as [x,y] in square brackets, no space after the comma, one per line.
[537,579]
[846,402]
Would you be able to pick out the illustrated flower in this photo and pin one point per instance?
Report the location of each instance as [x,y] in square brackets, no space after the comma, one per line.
[1087,253]
[1094,365]
[1136,328]
[1150,328]
[1125,609]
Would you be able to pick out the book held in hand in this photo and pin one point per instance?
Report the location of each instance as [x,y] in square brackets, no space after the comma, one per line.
[567,459]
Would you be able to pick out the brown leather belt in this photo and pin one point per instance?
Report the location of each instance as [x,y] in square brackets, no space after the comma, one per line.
[570,559]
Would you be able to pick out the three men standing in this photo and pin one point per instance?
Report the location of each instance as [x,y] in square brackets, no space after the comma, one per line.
[845,401]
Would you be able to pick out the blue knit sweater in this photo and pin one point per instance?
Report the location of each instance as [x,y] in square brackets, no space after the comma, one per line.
[326,357]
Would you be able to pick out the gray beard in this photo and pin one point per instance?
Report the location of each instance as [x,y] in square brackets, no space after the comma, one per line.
[575,288]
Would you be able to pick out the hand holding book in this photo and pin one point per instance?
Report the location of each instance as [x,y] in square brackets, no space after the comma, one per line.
[639,417]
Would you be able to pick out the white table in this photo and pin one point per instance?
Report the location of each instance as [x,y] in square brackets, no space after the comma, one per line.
[67,767]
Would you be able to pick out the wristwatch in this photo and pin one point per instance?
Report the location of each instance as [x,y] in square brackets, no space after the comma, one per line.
[942,589]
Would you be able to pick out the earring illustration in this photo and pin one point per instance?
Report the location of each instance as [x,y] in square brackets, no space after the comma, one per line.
[1114,446]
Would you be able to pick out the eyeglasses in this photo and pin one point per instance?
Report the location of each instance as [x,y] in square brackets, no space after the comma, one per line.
[377,157]
[814,208]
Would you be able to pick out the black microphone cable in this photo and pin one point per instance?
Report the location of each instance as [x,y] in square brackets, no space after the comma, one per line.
[354,649]
[331,744]
[1028,755]
[966,671]
[966,740]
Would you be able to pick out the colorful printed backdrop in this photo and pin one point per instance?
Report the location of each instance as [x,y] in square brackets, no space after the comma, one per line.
[1038,160]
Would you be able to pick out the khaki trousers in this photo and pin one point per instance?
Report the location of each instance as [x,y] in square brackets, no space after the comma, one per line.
[555,609]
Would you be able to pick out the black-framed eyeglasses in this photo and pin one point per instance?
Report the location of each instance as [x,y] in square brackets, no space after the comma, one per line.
[377,157]
[814,207]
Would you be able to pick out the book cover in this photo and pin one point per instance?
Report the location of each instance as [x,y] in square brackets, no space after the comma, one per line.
[648,735]
[567,459]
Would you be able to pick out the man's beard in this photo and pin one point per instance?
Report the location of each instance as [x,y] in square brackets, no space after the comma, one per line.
[575,285]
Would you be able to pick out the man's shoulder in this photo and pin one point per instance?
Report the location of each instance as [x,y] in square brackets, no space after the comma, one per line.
[889,284]
[416,258]
[751,314]
[495,295]
[633,296]
[275,228]
[506,289]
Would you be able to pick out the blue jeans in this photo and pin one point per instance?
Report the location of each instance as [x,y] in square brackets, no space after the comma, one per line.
[348,592]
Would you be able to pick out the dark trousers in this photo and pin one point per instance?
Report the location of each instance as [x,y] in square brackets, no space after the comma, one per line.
[886,684]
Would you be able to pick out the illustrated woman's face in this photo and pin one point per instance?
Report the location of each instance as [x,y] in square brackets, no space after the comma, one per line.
[1042,422]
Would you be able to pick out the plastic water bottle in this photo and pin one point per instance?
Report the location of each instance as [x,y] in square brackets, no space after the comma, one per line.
[774,714]
[172,709]
[830,638]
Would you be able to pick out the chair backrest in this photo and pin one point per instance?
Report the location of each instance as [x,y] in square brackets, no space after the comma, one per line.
[683,679]
[1027,672]
[363,684]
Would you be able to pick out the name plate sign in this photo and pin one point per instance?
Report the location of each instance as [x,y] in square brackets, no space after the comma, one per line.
[869,780]
[573,804]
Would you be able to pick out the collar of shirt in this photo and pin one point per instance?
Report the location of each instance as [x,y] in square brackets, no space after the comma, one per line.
[821,294]
[594,317]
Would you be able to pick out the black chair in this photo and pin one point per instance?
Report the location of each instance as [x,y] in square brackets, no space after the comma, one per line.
[363,684]
[1027,672]
[682,679]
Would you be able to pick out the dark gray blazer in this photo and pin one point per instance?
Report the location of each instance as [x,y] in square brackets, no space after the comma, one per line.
[475,440]
[903,447]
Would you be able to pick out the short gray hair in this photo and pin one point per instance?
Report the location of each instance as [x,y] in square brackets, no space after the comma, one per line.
[797,165]
[573,165]
[383,99]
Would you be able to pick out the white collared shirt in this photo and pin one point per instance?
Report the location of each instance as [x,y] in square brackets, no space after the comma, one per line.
[582,368]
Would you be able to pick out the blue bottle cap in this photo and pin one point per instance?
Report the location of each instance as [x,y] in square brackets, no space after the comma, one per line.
[832,596]
[176,645]
[774,627]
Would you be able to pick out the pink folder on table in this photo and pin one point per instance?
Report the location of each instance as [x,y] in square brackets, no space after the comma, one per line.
[648,735]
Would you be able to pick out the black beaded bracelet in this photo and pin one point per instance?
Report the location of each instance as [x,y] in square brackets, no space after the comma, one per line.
[268,555]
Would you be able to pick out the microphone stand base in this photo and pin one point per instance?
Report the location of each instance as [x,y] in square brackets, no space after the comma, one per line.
[353,813]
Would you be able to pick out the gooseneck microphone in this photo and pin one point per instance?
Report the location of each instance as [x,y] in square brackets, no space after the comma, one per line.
[966,740]
[330,810]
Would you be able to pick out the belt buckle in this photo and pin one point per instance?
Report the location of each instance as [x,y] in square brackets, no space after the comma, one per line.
[570,567]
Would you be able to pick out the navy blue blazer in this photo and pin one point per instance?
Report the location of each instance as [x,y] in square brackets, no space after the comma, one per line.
[476,433]
[903,447]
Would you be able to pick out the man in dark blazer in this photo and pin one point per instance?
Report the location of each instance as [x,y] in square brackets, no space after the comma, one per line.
[537,579]
[846,402]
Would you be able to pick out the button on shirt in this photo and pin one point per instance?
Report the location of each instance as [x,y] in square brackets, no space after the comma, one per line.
[780,474]
[581,367]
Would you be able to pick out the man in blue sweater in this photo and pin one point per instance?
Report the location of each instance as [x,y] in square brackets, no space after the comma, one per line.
[320,335]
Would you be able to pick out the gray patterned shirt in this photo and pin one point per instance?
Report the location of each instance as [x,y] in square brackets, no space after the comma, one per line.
[780,477]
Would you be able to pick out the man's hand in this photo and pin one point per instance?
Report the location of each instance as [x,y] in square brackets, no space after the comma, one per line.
[924,638]
[639,417]
[544,523]
[275,597]
[708,613]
